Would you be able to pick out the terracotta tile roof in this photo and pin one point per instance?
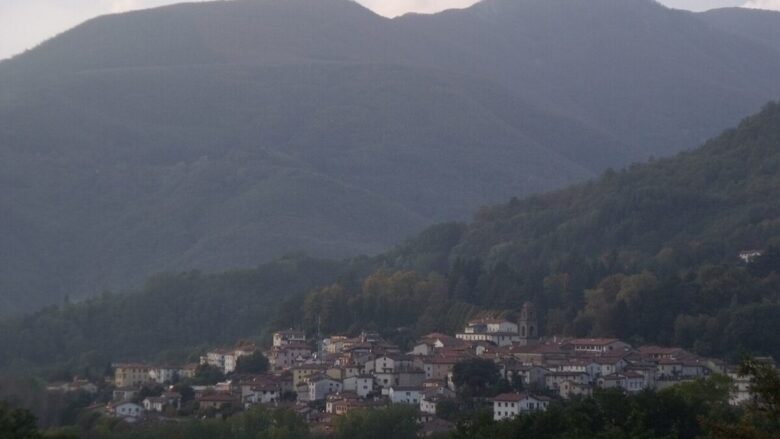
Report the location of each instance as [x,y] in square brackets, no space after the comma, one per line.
[510,397]
[591,341]
[217,397]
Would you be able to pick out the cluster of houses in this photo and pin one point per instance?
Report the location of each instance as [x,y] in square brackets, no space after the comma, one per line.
[325,378]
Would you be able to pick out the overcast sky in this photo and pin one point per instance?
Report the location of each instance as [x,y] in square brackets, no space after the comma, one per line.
[25,23]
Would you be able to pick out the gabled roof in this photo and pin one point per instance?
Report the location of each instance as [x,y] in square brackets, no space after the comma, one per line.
[131,366]
[293,346]
[217,397]
[516,397]
[406,389]
[320,377]
[591,341]
[659,350]
[114,405]
[310,367]
[509,397]
[605,360]
[564,374]
[291,332]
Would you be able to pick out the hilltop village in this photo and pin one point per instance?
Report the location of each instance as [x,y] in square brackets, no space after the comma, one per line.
[328,377]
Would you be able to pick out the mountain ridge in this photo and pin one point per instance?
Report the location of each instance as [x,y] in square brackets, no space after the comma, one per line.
[224,134]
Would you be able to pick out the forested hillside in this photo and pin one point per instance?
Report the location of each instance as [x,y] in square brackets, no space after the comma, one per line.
[169,319]
[225,134]
[649,254]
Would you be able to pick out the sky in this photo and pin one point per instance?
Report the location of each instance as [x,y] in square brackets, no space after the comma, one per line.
[26,23]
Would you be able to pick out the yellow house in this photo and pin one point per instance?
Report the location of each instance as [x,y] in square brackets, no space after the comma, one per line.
[131,374]
[302,373]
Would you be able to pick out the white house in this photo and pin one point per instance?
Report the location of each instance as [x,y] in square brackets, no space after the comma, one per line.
[289,336]
[669,369]
[740,393]
[163,374]
[287,356]
[553,380]
[362,385]
[159,403]
[596,345]
[77,385]
[432,396]
[570,389]
[629,381]
[321,386]
[129,411]
[389,363]
[490,326]
[497,331]
[428,404]
[509,405]
[604,366]
[405,395]
[261,393]
[748,256]
[124,394]
[226,359]
[528,375]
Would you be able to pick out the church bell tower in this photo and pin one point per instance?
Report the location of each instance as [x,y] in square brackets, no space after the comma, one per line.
[528,324]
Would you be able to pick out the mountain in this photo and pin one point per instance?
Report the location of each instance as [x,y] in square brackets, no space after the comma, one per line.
[757,25]
[225,134]
[649,75]
[650,254]
[335,160]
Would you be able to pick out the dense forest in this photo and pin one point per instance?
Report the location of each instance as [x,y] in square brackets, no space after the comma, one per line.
[650,254]
[169,319]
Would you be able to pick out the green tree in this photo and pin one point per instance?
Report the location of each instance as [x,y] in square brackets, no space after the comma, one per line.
[255,363]
[207,375]
[476,377]
[396,422]
[17,423]
[762,417]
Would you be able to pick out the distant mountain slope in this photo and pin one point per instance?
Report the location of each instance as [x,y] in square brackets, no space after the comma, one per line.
[335,160]
[656,78]
[712,202]
[650,254]
[224,134]
[753,24]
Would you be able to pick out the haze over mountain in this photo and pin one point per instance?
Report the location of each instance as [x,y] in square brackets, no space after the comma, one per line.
[756,25]
[224,134]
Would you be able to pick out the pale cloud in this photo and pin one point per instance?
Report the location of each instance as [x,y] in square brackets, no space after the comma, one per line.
[26,23]
[392,8]
[763,4]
